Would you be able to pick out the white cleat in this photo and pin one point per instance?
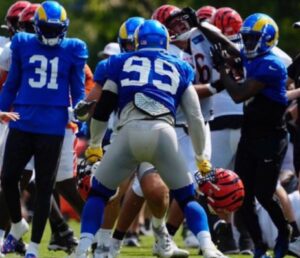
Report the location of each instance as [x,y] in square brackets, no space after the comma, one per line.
[164,246]
[102,252]
[294,247]
[213,252]
[190,241]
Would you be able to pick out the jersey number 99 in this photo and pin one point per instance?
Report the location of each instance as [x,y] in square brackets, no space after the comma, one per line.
[144,68]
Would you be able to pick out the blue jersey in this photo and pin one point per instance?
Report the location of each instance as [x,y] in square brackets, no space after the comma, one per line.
[271,71]
[264,112]
[42,81]
[157,75]
[100,74]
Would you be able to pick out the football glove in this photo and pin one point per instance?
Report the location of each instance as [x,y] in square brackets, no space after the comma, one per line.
[204,166]
[93,154]
[217,54]
[82,109]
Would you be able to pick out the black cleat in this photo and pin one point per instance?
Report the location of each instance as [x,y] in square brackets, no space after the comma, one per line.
[63,241]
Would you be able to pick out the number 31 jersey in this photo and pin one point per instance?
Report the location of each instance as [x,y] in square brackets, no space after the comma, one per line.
[41,82]
[155,74]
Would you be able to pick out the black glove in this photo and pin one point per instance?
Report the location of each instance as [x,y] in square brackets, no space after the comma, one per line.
[191,16]
[81,110]
[217,54]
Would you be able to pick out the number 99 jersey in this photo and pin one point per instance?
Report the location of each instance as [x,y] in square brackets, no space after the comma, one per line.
[157,75]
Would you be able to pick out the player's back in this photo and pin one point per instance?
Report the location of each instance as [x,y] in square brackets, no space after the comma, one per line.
[155,75]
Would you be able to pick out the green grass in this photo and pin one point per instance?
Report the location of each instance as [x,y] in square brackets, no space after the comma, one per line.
[126,252]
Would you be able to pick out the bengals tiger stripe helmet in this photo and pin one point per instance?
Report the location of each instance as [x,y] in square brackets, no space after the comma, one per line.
[206,13]
[229,22]
[224,191]
[13,14]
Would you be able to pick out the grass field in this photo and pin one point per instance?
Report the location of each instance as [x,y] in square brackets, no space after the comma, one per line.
[127,252]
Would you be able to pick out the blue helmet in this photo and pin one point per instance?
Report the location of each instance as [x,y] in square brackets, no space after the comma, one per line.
[126,33]
[151,34]
[260,34]
[51,23]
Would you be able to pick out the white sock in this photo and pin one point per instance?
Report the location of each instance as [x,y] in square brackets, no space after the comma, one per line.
[103,237]
[86,240]
[2,234]
[33,248]
[157,223]
[19,229]
[204,239]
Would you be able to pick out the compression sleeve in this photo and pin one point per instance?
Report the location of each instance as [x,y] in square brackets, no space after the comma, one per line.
[97,132]
[77,83]
[191,108]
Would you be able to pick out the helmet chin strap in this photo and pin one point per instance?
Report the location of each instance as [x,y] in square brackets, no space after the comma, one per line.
[51,41]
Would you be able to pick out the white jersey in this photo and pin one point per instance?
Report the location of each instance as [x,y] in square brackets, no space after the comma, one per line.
[285,58]
[5,57]
[205,73]
[182,55]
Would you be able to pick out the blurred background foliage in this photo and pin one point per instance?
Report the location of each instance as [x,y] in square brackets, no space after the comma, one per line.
[97,21]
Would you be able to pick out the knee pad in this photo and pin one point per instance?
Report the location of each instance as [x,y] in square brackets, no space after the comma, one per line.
[184,195]
[98,189]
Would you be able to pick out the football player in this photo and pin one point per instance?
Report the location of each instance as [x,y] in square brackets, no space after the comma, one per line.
[147,184]
[41,95]
[263,140]
[150,84]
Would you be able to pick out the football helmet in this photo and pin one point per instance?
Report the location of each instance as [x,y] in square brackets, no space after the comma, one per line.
[260,34]
[26,19]
[85,171]
[229,22]
[13,14]
[175,19]
[126,33]
[151,34]
[51,23]
[206,13]
[223,189]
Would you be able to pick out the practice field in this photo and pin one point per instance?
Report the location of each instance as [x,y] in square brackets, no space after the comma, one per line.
[127,252]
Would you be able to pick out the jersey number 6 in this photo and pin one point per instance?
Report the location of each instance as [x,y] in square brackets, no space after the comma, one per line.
[143,67]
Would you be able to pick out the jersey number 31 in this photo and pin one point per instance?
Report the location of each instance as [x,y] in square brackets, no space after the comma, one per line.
[42,71]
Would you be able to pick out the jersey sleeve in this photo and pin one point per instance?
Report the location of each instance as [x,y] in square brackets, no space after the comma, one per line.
[189,74]
[5,57]
[114,68]
[13,80]
[294,68]
[89,79]
[77,76]
[100,74]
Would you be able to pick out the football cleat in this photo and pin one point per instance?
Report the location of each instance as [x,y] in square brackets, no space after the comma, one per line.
[294,247]
[164,246]
[65,243]
[212,252]
[9,245]
[30,256]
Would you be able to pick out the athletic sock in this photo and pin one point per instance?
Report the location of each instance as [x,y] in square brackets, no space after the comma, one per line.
[19,229]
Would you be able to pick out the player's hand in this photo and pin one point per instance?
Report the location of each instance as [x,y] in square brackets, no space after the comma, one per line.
[204,166]
[192,17]
[217,54]
[7,116]
[82,109]
[93,154]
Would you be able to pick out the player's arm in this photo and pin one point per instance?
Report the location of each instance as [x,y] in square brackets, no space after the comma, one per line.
[12,83]
[191,108]
[104,107]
